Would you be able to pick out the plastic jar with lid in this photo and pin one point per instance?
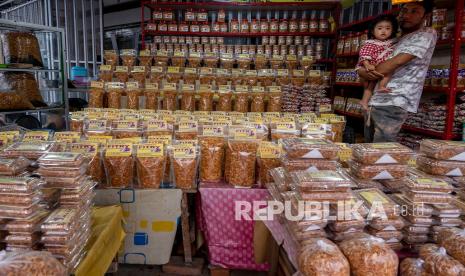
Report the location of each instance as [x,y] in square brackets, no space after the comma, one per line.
[297,40]
[307,40]
[189,15]
[212,40]
[289,40]
[202,15]
[174,39]
[300,50]
[204,40]
[283,50]
[276,50]
[166,39]
[168,15]
[292,49]
[313,25]
[274,26]
[265,40]
[221,16]
[194,27]
[281,40]
[245,26]
[348,44]
[162,26]
[293,25]
[309,51]
[303,25]
[268,49]
[255,26]
[318,55]
[188,39]
[283,26]
[183,27]
[173,27]
[319,46]
[355,43]
[205,28]
[340,45]
[272,40]
[323,25]
[264,26]
[363,38]
[260,49]
[223,27]
[235,27]
[157,14]
[216,27]
[220,40]
[151,27]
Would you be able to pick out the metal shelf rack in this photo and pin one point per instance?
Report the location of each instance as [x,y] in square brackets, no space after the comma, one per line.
[52,47]
[455,44]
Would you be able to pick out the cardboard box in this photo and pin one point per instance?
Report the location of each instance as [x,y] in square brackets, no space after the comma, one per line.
[151,217]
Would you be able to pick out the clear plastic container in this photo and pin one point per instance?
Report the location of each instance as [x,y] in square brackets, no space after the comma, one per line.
[443,150]
[381,153]
[18,212]
[63,182]
[60,220]
[30,150]
[19,199]
[387,224]
[386,235]
[437,167]
[376,196]
[21,185]
[25,239]
[408,207]
[13,166]
[66,172]
[446,210]
[61,159]
[320,181]
[428,198]
[377,172]
[28,225]
[241,157]
[419,220]
[308,164]
[347,225]
[428,185]
[416,230]
[310,148]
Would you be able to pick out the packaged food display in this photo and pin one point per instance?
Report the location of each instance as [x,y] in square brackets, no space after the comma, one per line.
[119,165]
[428,198]
[30,263]
[368,254]
[274,102]
[437,262]
[169,100]
[224,101]
[114,93]
[438,167]
[347,225]
[18,212]
[13,166]
[96,94]
[206,101]
[419,210]
[187,130]
[322,257]
[412,267]
[61,159]
[106,73]
[28,225]
[428,185]
[151,96]
[377,172]
[128,57]
[29,150]
[381,153]
[310,148]
[308,164]
[184,166]
[150,165]
[257,103]
[132,93]
[375,196]
[443,150]
[241,103]
[320,181]
[241,158]
[188,100]
[212,151]
[21,47]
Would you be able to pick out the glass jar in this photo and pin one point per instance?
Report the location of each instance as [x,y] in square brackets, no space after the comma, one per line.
[323,25]
[221,16]
[173,27]
[264,26]
[157,14]
[205,28]
[313,25]
[168,15]
[293,25]
[297,40]
[245,26]
[235,26]
[274,26]
[303,25]
[283,26]
[254,26]
[194,28]
[202,15]
[183,27]
[281,40]
[162,26]
[224,27]
[189,15]
[307,40]
[216,27]
[289,40]
[272,40]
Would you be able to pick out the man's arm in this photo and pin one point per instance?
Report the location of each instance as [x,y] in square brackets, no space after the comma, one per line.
[389,66]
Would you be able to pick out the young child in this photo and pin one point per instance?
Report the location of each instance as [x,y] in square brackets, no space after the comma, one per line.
[378,48]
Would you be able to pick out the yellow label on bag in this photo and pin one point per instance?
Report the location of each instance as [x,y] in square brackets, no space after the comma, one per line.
[245,133]
[258,89]
[345,152]
[11,134]
[67,136]
[251,73]
[190,71]
[157,125]
[205,87]
[223,72]
[3,141]
[103,139]
[373,196]
[188,126]
[268,150]
[32,136]
[314,73]
[188,87]
[96,124]
[274,89]
[169,86]
[183,151]
[132,85]
[384,145]
[165,139]
[104,68]
[285,126]
[84,147]
[97,84]
[223,119]
[151,86]
[206,71]
[321,120]
[209,130]
[325,108]
[121,69]
[172,70]
[291,57]
[138,69]
[156,69]
[201,113]
[144,53]
[150,150]
[192,143]
[126,124]
[277,57]
[242,88]
[194,54]
[119,150]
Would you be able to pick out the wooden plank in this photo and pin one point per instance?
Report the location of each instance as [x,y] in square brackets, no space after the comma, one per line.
[219,271]
[186,241]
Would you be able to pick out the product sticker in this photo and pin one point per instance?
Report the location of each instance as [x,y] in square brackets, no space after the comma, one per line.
[169,86]
[205,87]
[243,56]
[345,152]
[183,151]
[150,150]
[242,88]
[314,73]
[282,72]
[188,126]
[194,54]
[384,145]
[373,196]
[84,147]
[432,182]
[191,143]
[206,71]
[178,54]
[251,73]
[11,134]
[245,133]
[188,87]
[277,57]
[97,84]
[144,53]
[103,139]
[325,108]
[223,72]
[298,73]
[184,118]
[157,125]
[132,85]
[201,113]
[190,71]
[269,150]
[213,130]
[226,55]
[128,52]
[165,139]
[67,136]
[104,68]
[286,126]
[162,53]
[307,58]
[60,156]
[274,89]
[138,69]
[32,136]
[121,69]
[156,69]
[119,150]
[172,70]
[258,89]
[96,124]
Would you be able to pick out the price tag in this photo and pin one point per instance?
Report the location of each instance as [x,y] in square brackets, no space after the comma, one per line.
[298,73]
[242,88]
[251,72]
[172,70]
[97,84]
[179,54]
[105,67]
[245,133]
[258,89]
[121,69]
[274,89]
[291,57]
[184,151]
[188,87]
[119,150]
[156,69]
[144,53]
[151,86]
[150,150]
[138,69]
[282,72]
[190,71]
[212,130]
[169,86]
[132,85]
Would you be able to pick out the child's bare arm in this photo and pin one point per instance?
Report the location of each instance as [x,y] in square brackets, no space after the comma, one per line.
[368,66]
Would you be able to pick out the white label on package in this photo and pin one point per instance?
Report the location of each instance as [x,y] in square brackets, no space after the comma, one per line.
[383,175]
[312,169]
[455,172]
[313,228]
[392,240]
[386,159]
[390,228]
[458,157]
[314,154]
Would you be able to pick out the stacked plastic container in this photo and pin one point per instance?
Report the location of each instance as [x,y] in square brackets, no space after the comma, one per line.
[385,221]
[66,232]
[442,157]
[346,224]
[444,216]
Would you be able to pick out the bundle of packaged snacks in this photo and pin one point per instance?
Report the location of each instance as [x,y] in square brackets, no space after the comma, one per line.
[212,153]
[150,165]
[428,190]
[25,233]
[19,197]
[438,262]
[62,169]
[30,150]
[184,162]
[241,155]
[13,166]
[119,165]
[310,148]
[442,157]
[268,158]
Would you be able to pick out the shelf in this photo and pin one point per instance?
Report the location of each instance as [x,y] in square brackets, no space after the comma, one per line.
[325,60]
[221,34]
[362,24]
[349,114]
[353,55]
[243,6]
[436,89]
[45,109]
[426,132]
[350,84]
[29,70]
[14,25]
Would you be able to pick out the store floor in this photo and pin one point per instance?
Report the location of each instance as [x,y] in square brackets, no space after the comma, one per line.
[149,270]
